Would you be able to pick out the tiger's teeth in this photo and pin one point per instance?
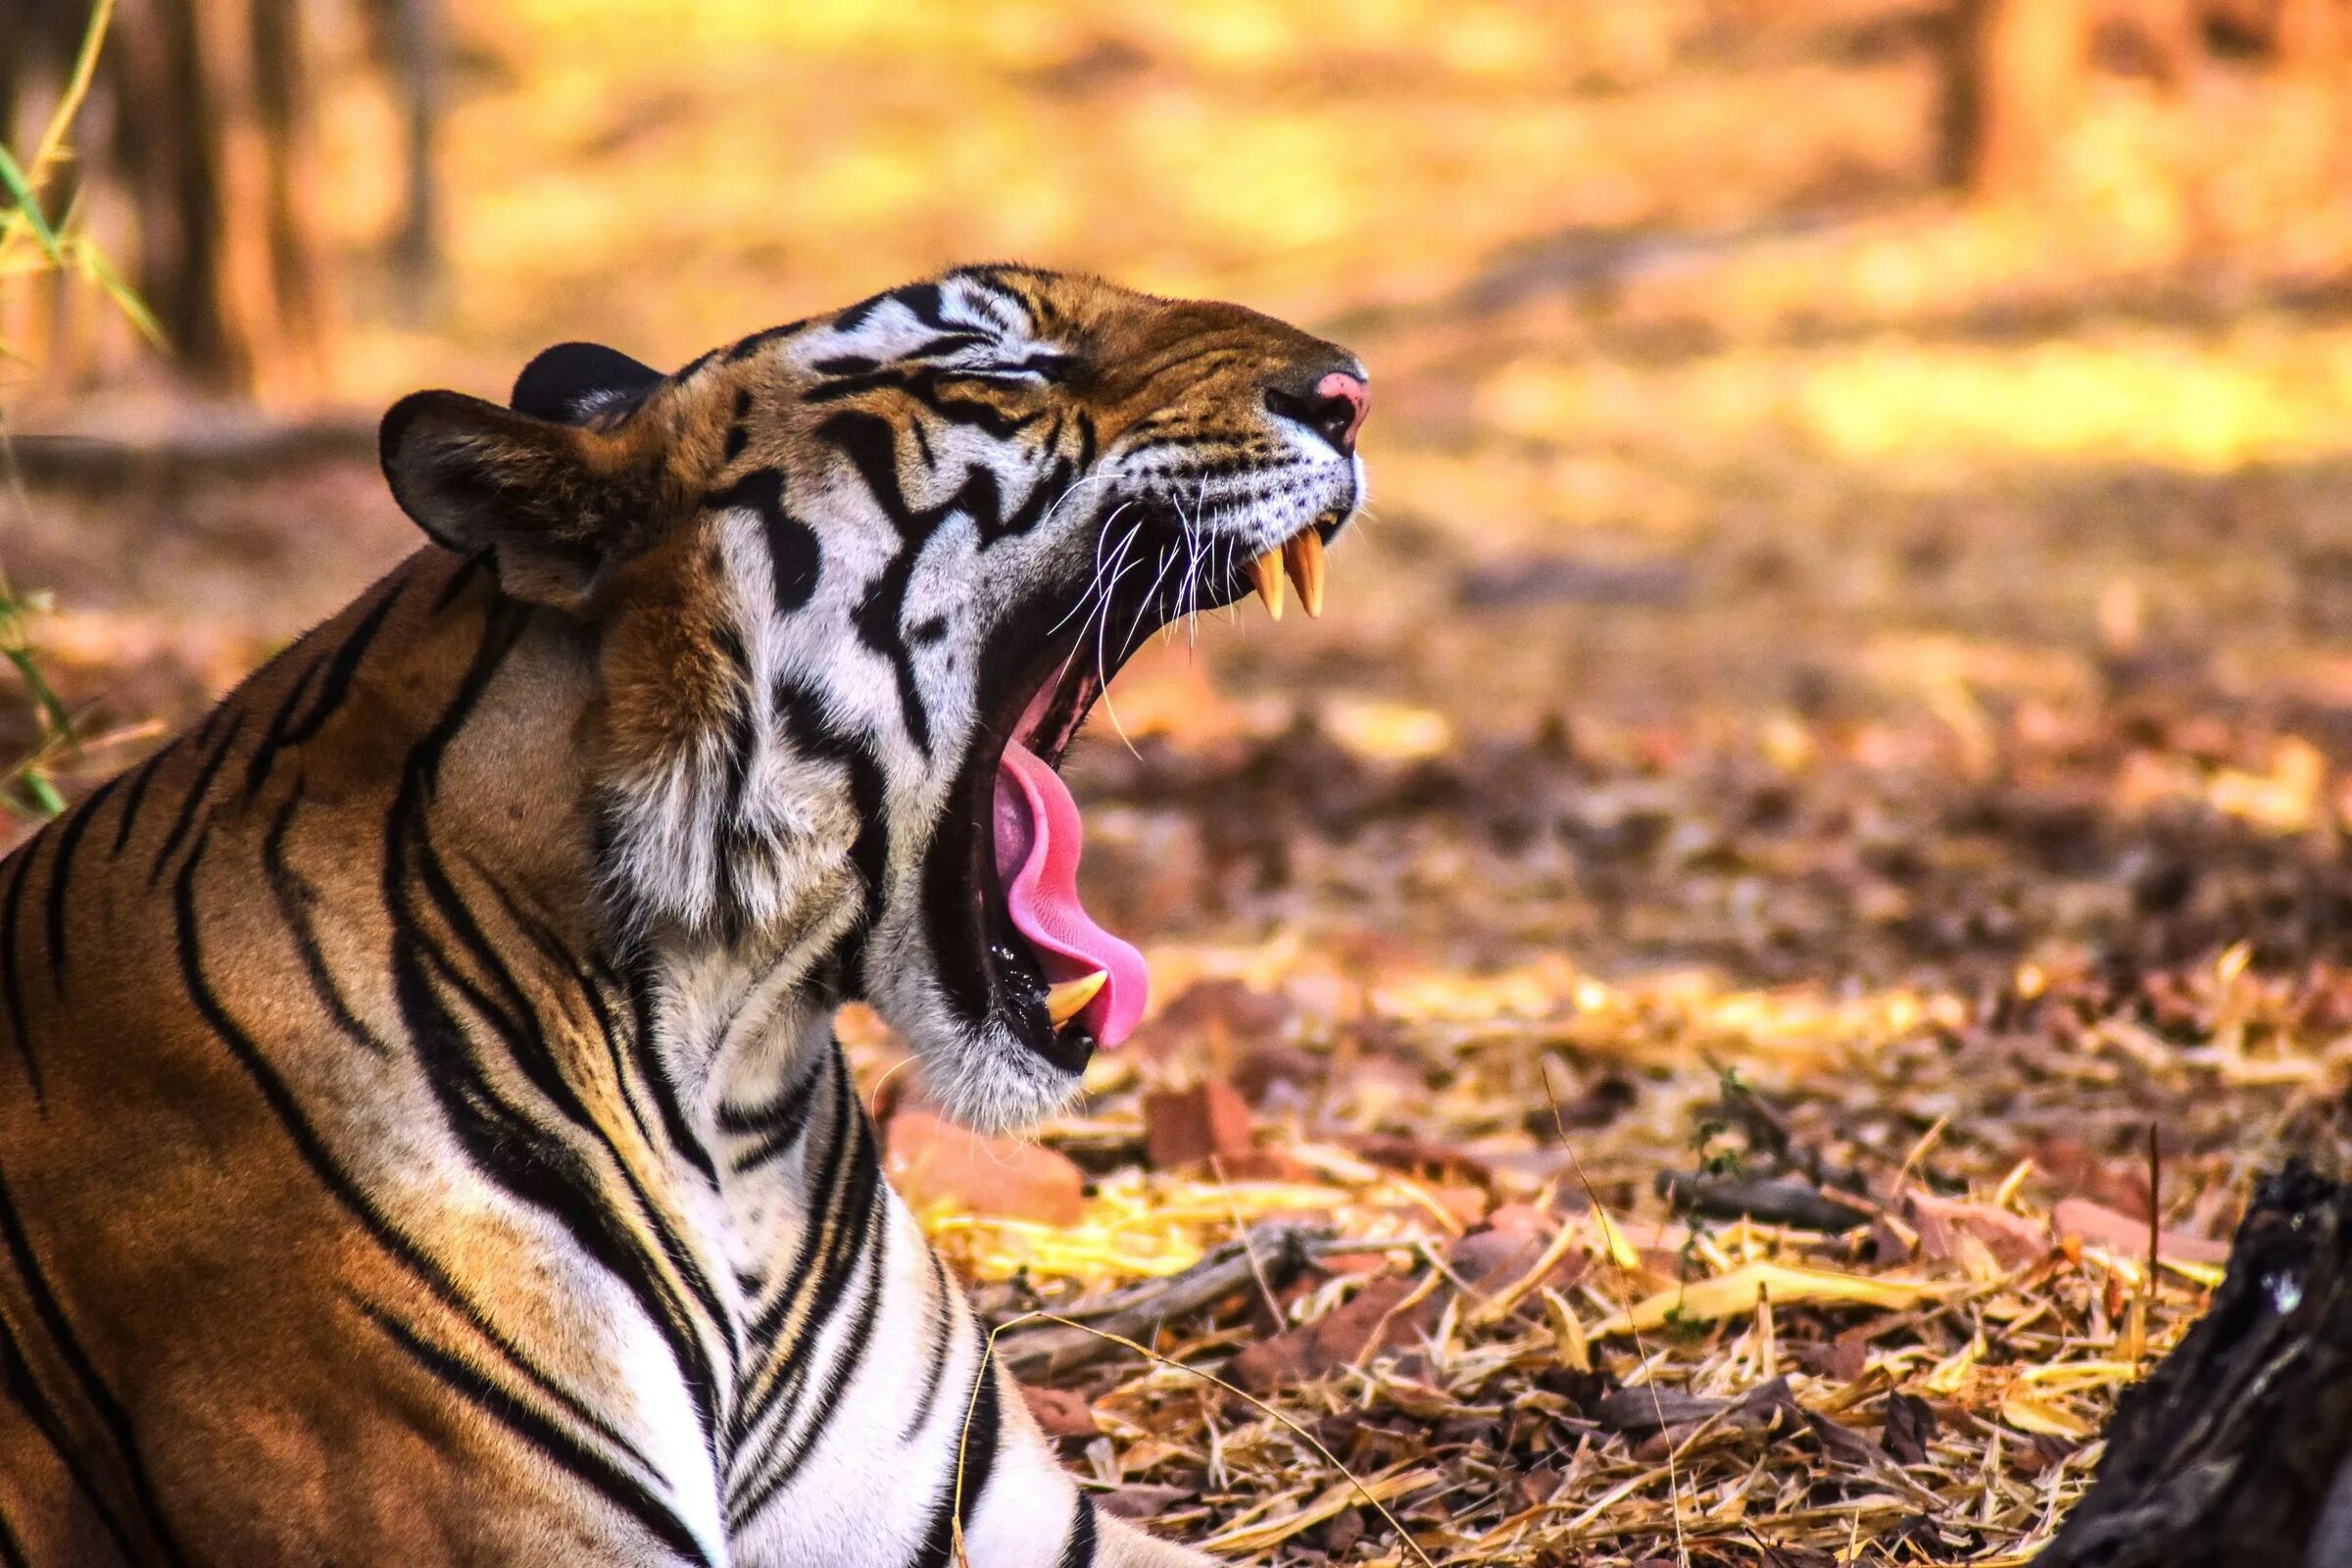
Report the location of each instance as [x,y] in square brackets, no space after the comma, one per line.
[1264,573]
[1068,1000]
[1303,558]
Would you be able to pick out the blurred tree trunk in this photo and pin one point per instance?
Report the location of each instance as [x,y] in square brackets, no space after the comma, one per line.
[2013,83]
[166,151]
[201,119]
[408,43]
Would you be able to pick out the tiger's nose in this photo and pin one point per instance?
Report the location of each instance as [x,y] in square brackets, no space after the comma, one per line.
[1332,403]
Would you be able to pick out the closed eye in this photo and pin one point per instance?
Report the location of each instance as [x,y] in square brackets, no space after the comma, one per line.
[1047,368]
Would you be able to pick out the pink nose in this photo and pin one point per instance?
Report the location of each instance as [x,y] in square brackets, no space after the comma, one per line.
[1340,390]
[1341,402]
[1330,403]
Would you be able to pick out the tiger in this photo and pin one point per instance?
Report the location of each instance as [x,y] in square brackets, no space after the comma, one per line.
[423,1133]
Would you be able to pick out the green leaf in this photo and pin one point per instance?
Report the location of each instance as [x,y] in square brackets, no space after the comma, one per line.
[43,795]
[100,270]
[19,189]
[51,709]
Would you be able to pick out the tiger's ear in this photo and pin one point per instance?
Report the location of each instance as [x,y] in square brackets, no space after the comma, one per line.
[572,382]
[553,503]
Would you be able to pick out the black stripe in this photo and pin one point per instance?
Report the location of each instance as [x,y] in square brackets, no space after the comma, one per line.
[794,556]
[69,839]
[274,737]
[858,1249]
[870,379]
[992,277]
[110,1411]
[536,1166]
[848,1186]
[195,801]
[973,414]
[643,983]
[976,1450]
[934,387]
[502,1404]
[939,1346]
[468,569]
[849,1190]
[739,434]
[11,1550]
[295,899]
[747,347]
[870,443]
[1080,1550]
[594,988]
[344,665]
[924,302]
[813,732]
[779,1123]
[138,795]
[12,985]
[854,318]
[1048,489]
[403,1248]
[16,1375]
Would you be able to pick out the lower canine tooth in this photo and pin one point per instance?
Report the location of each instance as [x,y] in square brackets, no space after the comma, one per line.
[1266,572]
[1068,1000]
[1303,558]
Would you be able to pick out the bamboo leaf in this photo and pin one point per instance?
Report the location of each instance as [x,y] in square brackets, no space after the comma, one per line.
[101,271]
[19,191]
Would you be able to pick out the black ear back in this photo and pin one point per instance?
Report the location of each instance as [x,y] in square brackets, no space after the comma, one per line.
[572,382]
[551,501]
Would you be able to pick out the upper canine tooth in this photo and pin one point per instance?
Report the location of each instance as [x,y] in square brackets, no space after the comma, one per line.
[1268,576]
[1068,1000]
[1303,558]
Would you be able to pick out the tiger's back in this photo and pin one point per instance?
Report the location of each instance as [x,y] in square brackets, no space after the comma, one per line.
[205,1230]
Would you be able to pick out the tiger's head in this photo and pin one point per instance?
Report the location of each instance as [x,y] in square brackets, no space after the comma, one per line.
[851,586]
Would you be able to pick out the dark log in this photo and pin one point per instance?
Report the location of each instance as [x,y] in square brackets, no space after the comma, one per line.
[204,442]
[2234,1454]
[1767,1201]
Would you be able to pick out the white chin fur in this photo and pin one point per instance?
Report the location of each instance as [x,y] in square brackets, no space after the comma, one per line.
[990,1082]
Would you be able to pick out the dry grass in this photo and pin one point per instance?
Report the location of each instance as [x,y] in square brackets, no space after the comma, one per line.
[1510,1426]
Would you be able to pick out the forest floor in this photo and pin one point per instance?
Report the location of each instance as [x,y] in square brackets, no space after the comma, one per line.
[1840,707]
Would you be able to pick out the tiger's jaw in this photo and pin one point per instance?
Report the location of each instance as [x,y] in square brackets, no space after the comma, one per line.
[1034,984]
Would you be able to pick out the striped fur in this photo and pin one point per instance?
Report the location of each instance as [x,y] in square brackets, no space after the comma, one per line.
[421,1137]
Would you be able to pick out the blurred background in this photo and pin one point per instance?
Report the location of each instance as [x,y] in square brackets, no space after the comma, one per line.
[1855,606]
[1906,383]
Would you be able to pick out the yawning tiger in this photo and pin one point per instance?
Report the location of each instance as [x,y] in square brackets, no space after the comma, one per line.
[421,1136]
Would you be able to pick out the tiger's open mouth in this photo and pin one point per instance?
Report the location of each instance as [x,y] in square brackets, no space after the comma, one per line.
[1065,982]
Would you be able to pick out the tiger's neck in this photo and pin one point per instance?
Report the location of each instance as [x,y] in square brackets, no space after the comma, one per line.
[504,916]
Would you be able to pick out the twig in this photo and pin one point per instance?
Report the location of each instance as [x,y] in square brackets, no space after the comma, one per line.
[1772,1202]
[1280,1251]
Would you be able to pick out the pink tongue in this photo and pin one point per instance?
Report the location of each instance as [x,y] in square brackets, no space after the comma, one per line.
[1037,855]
